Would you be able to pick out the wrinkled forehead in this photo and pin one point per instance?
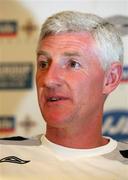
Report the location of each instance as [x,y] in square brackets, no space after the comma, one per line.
[82,41]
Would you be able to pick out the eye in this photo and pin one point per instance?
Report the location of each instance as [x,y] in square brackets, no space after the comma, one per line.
[74,64]
[43,64]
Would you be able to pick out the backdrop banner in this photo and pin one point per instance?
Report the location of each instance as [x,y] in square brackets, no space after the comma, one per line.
[20,22]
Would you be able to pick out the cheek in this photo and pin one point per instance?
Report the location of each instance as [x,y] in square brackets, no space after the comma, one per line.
[95,91]
[39,84]
[39,78]
[39,87]
[77,84]
[40,97]
[85,87]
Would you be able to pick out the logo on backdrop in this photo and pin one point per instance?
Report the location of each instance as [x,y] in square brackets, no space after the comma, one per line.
[7,124]
[121,23]
[29,27]
[125,74]
[16,75]
[8,28]
[115,124]
[27,124]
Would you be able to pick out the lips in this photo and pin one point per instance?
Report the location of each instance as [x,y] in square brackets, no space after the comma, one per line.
[56,98]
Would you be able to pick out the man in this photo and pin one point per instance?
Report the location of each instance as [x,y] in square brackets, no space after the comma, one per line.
[79,63]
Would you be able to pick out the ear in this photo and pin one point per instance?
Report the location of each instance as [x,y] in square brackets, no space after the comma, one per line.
[112,77]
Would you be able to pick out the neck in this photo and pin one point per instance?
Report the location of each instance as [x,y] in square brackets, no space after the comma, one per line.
[84,137]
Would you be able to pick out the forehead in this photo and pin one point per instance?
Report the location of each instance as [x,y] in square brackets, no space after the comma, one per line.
[70,41]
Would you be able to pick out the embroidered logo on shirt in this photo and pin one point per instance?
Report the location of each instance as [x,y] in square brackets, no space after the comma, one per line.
[13,159]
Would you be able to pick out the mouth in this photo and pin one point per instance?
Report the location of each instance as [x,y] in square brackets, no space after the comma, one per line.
[55,99]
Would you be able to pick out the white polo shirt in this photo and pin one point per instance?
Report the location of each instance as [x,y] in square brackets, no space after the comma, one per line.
[43,160]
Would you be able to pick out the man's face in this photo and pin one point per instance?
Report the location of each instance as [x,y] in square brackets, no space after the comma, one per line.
[69,79]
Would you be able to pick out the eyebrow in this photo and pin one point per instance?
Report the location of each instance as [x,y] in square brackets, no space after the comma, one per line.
[67,54]
[43,53]
[71,54]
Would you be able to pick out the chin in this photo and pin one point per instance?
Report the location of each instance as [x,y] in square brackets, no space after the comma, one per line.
[58,121]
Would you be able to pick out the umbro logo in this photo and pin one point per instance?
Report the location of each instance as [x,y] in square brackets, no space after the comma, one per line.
[13,159]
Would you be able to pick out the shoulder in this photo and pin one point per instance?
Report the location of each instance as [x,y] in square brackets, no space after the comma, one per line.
[123,149]
[19,140]
[120,153]
[16,149]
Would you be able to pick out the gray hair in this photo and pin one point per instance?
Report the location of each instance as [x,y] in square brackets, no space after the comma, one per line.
[108,40]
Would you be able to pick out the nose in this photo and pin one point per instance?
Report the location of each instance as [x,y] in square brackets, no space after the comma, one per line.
[54,76]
